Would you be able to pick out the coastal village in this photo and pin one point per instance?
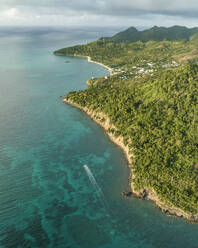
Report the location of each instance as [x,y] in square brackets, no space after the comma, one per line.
[136,71]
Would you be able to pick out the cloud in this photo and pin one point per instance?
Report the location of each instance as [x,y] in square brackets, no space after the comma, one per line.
[11,13]
[95,12]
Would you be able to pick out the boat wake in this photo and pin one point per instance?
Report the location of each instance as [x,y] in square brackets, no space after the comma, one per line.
[96,186]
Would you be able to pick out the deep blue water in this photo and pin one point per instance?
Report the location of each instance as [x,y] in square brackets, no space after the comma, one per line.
[46,197]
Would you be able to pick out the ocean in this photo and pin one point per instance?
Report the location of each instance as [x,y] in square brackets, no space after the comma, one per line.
[61,178]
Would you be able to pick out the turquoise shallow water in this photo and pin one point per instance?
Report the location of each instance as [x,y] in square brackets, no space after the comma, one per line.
[46,197]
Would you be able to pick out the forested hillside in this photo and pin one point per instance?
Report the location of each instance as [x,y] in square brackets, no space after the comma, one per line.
[158,116]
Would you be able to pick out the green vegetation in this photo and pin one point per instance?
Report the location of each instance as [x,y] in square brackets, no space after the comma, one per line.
[159,116]
[124,55]
[153,102]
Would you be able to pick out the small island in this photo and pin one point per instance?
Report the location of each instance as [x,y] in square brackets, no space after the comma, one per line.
[149,107]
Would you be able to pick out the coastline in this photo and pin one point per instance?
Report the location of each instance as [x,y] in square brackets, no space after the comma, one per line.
[145,193]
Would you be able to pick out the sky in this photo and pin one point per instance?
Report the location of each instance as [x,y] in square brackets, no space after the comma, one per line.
[103,13]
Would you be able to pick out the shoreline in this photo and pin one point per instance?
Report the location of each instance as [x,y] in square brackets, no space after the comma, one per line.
[145,193]
[98,63]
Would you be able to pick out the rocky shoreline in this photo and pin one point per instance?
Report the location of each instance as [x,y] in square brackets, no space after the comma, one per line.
[148,194]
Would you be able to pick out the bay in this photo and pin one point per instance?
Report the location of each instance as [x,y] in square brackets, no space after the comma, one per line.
[47,197]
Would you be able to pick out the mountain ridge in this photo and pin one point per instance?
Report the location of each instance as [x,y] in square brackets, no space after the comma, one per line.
[155,33]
